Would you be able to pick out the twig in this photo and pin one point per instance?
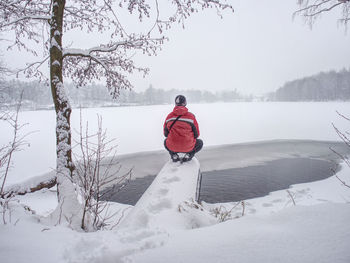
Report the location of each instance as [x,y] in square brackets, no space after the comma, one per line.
[291,196]
[342,181]
[120,218]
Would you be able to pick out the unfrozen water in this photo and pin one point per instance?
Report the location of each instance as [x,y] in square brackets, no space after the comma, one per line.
[259,180]
[239,183]
[247,171]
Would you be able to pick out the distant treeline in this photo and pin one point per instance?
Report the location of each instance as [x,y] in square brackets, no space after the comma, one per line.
[38,95]
[326,86]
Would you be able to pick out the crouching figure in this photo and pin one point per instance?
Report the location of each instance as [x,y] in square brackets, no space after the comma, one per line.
[182,132]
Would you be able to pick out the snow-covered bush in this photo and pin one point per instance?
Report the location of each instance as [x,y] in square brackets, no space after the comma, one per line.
[223,214]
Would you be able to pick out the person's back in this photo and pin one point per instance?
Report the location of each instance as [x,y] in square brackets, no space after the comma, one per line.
[181,129]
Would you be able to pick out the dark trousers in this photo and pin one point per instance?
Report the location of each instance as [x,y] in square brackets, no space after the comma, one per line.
[197,147]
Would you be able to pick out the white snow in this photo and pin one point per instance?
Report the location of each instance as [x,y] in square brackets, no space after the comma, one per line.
[69,210]
[26,185]
[55,44]
[297,234]
[315,230]
[56,63]
[160,205]
[88,52]
[270,228]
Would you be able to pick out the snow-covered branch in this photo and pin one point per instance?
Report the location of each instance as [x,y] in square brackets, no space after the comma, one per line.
[31,185]
[103,48]
[43,18]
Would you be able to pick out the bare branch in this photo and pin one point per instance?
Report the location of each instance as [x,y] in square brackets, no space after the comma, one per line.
[312,9]
[342,181]
[30,67]
[312,6]
[343,116]
[291,196]
[324,10]
[342,157]
[120,218]
[346,140]
[342,135]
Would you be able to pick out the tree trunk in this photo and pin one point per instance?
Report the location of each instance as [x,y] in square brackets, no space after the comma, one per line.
[69,210]
[60,99]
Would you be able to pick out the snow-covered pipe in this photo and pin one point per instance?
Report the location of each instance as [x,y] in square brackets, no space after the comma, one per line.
[161,205]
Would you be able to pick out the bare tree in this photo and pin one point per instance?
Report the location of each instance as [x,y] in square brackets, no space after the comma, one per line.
[312,9]
[46,22]
[15,145]
[6,153]
[95,163]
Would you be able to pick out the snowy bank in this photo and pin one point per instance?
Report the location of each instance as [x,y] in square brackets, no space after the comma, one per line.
[318,233]
[272,229]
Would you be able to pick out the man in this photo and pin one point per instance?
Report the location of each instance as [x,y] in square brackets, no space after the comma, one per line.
[181,130]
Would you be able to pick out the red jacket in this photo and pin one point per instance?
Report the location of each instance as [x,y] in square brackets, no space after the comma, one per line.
[183,134]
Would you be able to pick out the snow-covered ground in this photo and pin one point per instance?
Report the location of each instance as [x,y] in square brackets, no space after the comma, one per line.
[272,228]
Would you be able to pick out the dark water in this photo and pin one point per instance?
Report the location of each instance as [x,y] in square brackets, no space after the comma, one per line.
[131,192]
[259,180]
[240,183]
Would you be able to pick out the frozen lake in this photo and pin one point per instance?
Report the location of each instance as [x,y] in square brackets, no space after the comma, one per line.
[139,129]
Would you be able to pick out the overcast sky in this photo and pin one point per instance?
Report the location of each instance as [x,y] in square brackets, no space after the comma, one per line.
[254,50]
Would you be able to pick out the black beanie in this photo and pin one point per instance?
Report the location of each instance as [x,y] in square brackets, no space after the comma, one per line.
[180,100]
